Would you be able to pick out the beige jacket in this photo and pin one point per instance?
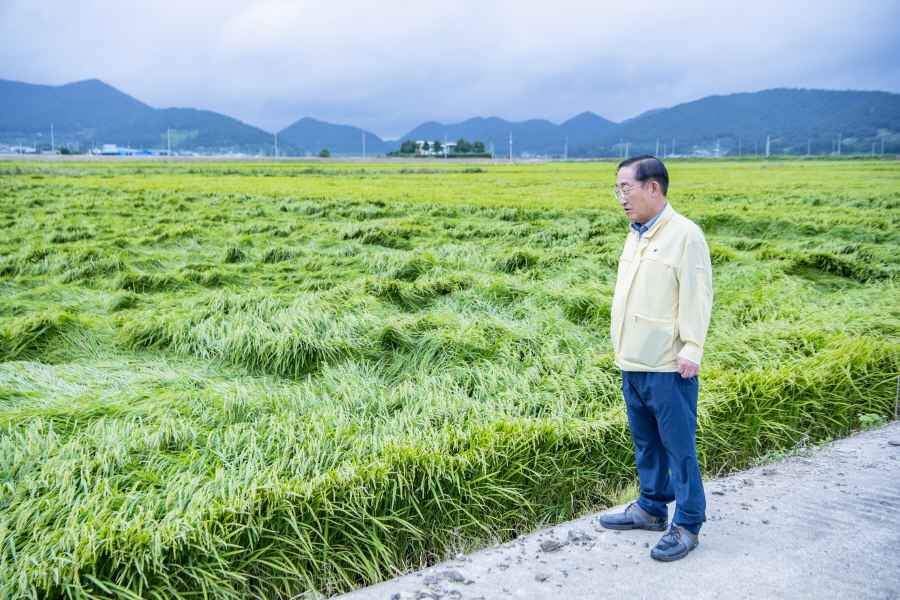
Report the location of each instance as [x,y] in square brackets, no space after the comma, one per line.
[663,297]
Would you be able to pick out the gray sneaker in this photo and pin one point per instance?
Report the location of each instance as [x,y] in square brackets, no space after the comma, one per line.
[675,544]
[634,517]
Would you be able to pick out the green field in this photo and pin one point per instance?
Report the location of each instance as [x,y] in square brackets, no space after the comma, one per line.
[246,380]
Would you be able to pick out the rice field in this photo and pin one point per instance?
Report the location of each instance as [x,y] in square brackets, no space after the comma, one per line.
[280,381]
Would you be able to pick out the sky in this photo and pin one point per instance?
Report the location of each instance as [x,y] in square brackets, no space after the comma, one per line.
[391,65]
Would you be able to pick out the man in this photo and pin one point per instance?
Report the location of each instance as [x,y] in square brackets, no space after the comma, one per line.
[660,316]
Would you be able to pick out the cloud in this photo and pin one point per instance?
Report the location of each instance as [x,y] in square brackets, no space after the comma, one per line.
[391,65]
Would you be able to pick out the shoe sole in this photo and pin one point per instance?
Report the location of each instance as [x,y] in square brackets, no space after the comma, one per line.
[674,557]
[654,527]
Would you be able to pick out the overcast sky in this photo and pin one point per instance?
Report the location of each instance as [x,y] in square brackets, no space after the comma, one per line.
[390,65]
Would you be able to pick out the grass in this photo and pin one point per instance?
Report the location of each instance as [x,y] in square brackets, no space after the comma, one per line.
[236,381]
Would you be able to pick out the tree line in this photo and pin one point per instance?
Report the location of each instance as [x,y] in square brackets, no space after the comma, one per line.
[463,146]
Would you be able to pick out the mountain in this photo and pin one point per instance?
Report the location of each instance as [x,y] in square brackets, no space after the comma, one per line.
[530,136]
[795,120]
[585,127]
[536,137]
[309,136]
[641,116]
[26,108]
[91,112]
[196,130]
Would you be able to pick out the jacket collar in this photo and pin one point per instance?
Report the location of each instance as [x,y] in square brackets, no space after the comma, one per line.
[666,214]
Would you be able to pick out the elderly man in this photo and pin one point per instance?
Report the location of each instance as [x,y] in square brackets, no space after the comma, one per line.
[660,316]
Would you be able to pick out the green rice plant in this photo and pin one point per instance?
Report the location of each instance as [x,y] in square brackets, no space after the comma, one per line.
[148,283]
[279,254]
[91,268]
[121,301]
[234,254]
[376,236]
[33,337]
[516,260]
[338,372]
[586,308]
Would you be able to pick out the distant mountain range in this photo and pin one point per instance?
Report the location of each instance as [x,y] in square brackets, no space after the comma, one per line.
[91,113]
[795,121]
[310,136]
[535,137]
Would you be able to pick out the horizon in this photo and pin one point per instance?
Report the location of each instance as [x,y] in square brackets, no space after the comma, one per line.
[430,121]
[388,67]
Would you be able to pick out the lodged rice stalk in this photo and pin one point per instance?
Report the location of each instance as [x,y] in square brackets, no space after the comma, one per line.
[212,392]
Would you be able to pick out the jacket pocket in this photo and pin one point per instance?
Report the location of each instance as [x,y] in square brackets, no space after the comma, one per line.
[649,340]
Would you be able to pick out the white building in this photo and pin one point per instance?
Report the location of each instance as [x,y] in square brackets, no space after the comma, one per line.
[449,148]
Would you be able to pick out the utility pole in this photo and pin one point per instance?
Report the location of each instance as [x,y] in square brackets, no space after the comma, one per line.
[717,148]
[657,147]
[626,149]
[808,146]
[873,148]
[767,146]
[364,146]
[673,147]
[445,146]
[510,146]
[566,150]
[168,146]
[665,149]
[882,146]
[739,148]
[276,148]
[839,143]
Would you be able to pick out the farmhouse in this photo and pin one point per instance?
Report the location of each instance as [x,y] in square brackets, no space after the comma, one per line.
[448,147]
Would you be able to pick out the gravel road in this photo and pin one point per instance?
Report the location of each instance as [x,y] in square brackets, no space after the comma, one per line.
[821,526]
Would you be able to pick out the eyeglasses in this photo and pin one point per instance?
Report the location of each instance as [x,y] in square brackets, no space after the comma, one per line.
[623,193]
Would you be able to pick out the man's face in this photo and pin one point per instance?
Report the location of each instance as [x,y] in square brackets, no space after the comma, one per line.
[640,203]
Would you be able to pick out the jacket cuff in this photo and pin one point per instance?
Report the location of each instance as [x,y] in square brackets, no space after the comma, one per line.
[692,352]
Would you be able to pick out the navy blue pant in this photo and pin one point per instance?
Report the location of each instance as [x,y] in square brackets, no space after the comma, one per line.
[662,415]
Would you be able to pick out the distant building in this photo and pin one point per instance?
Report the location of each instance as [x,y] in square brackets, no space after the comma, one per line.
[113,150]
[449,147]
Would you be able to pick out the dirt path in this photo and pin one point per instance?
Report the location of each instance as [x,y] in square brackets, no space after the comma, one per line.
[817,527]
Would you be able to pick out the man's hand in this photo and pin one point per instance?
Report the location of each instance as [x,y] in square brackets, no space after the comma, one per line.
[687,368]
